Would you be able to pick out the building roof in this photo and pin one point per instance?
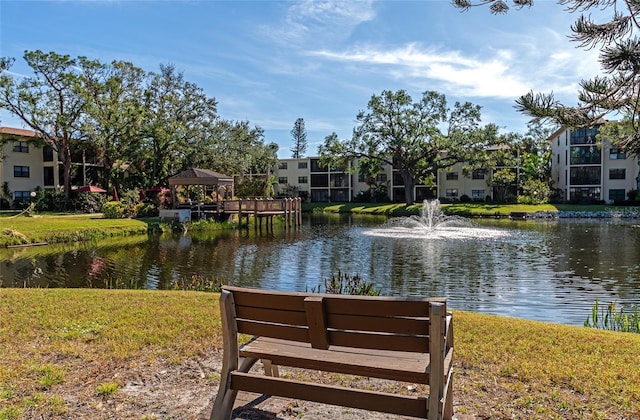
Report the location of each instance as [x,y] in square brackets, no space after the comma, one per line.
[195,176]
[18,132]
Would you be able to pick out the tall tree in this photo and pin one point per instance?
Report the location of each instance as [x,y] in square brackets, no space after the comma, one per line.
[178,116]
[234,148]
[49,102]
[617,92]
[408,136]
[114,113]
[299,135]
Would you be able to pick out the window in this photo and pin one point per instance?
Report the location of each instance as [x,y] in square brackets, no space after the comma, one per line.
[339,180]
[381,177]
[585,155]
[361,177]
[584,136]
[452,176]
[617,195]
[21,147]
[22,196]
[302,165]
[316,167]
[282,165]
[21,171]
[586,175]
[48,176]
[478,174]
[586,194]
[320,180]
[616,154]
[303,180]
[451,193]
[477,194]
[617,173]
[47,154]
[282,180]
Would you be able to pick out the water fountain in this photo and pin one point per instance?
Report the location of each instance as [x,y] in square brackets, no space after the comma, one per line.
[432,223]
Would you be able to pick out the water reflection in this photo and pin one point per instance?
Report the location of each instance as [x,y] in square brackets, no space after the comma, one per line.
[551,271]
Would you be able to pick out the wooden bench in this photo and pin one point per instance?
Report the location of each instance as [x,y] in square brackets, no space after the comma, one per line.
[409,340]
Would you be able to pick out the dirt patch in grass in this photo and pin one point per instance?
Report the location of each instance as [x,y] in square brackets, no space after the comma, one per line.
[164,390]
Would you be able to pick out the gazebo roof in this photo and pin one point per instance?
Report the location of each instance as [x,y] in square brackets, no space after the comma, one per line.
[196,176]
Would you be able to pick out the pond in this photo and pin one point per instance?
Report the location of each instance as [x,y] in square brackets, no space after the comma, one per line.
[542,270]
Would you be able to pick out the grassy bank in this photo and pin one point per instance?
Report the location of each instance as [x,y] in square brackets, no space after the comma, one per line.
[65,228]
[64,348]
[459,209]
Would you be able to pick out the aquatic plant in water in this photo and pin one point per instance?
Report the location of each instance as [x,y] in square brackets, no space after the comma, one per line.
[613,319]
[344,284]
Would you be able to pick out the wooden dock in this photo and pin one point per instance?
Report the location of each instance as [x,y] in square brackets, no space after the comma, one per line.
[262,210]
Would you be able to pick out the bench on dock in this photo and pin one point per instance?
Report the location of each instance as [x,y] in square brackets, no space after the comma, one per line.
[408,340]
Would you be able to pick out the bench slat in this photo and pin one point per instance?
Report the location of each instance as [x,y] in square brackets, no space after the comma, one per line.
[342,304]
[376,305]
[284,332]
[381,323]
[399,366]
[346,397]
[379,341]
[277,316]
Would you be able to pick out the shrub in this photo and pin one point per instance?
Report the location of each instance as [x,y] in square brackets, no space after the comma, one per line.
[144,210]
[535,191]
[54,200]
[90,202]
[114,210]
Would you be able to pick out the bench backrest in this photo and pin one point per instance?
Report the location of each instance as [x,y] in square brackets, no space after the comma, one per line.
[323,320]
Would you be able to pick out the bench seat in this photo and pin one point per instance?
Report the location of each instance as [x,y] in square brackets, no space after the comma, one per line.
[384,364]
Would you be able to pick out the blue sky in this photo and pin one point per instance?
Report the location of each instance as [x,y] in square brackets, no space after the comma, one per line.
[271,62]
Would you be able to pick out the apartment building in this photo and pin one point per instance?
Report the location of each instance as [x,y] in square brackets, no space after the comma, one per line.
[25,165]
[453,183]
[318,183]
[587,170]
[314,181]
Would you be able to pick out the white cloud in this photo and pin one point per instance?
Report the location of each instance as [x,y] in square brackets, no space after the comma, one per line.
[319,21]
[472,76]
[507,72]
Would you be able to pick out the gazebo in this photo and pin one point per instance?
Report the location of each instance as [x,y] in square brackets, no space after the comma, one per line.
[201,177]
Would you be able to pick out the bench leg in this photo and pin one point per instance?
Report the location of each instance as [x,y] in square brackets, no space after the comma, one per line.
[223,406]
[448,404]
[270,369]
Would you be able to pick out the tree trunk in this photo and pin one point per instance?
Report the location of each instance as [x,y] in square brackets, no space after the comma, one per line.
[66,174]
[409,187]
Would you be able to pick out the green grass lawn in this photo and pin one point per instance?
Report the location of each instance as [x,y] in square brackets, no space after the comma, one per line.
[52,339]
[65,228]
